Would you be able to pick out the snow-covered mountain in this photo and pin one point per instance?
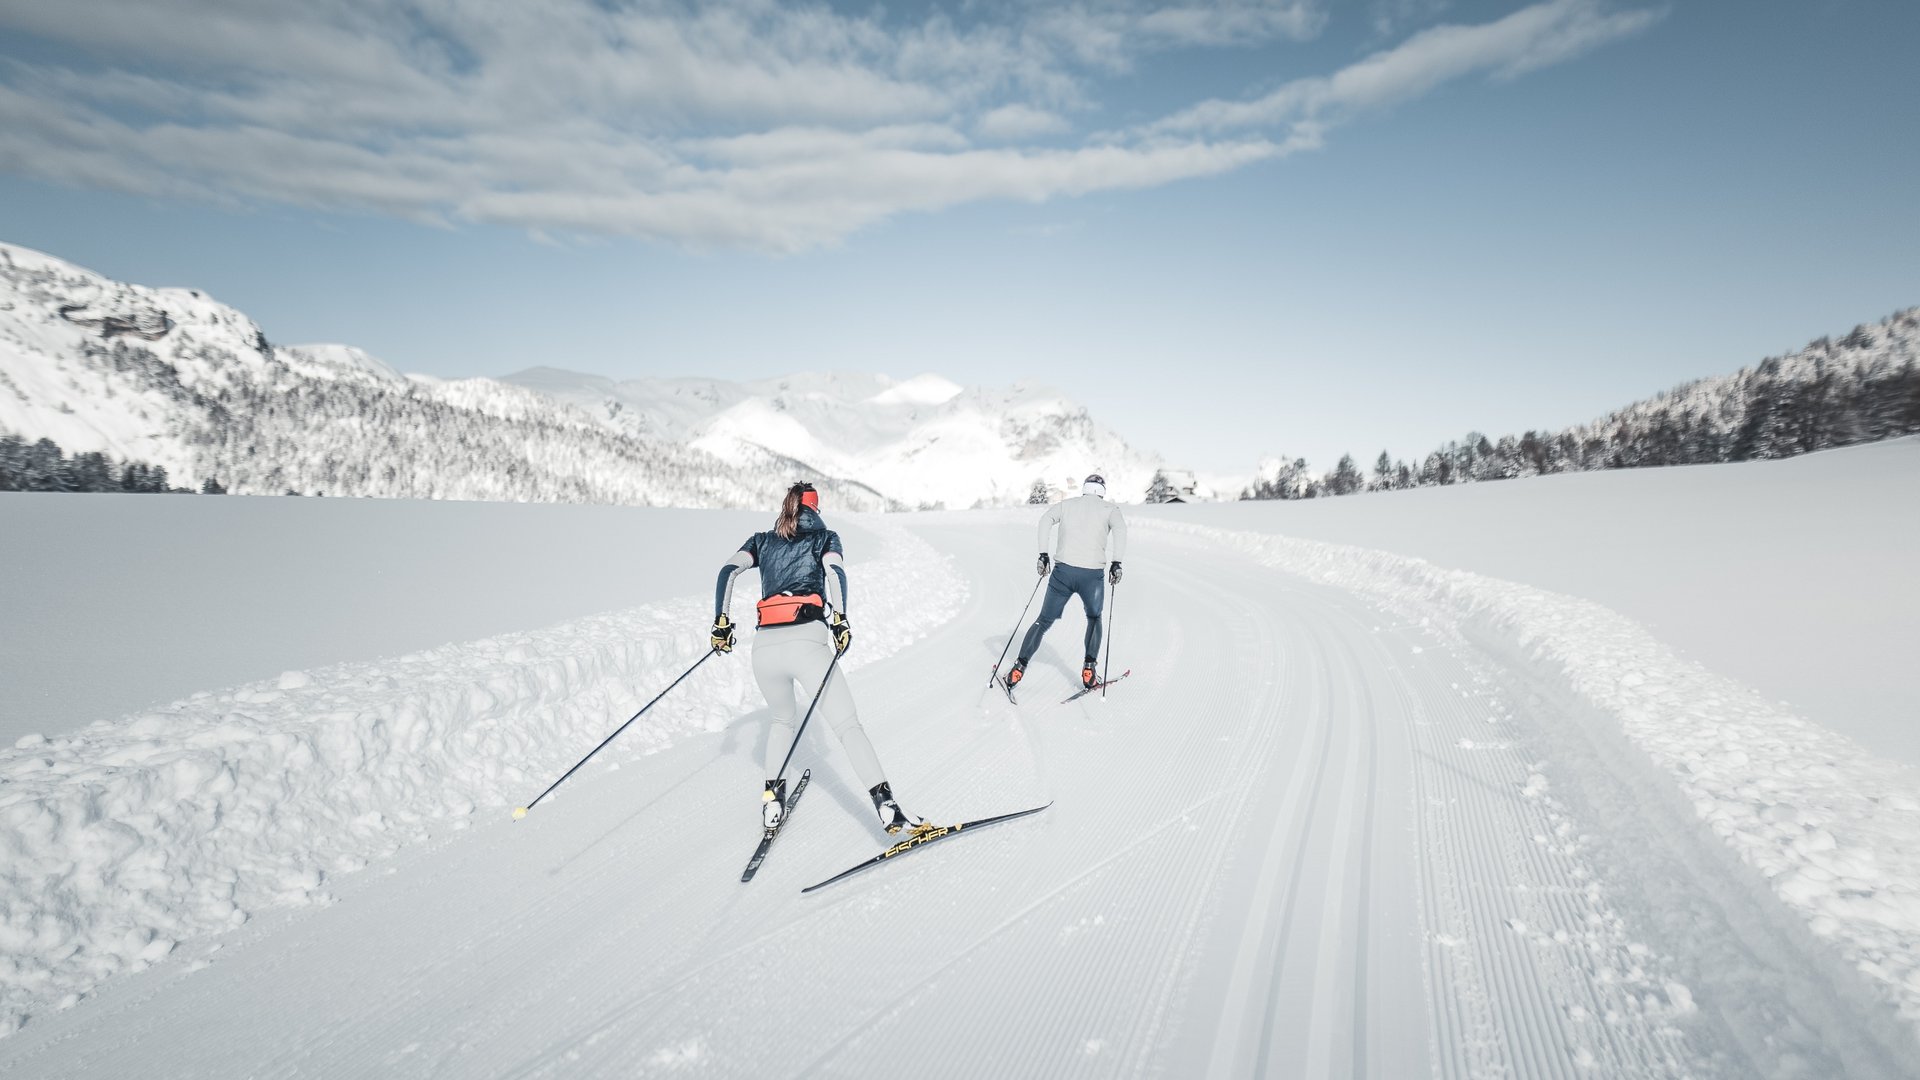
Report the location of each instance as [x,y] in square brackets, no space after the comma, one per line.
[173,378]
[925,441]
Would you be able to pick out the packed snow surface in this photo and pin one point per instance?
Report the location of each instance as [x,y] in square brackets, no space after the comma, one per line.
[1354,813]
[113,603]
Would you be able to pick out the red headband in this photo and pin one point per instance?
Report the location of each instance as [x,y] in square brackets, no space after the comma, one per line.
[810,500]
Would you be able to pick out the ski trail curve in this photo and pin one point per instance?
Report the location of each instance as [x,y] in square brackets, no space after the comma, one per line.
[1305,839]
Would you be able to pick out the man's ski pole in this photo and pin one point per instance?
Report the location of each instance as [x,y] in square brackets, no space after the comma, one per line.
[802,729]
[521,811]
[1106,676]
[1016,631]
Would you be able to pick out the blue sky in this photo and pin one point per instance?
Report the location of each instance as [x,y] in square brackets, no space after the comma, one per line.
[1232,231]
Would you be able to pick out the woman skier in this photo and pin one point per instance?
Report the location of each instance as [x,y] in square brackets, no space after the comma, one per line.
[1085,525]
[802,627]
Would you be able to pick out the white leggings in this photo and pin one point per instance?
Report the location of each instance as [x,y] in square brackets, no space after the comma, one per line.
[787,655]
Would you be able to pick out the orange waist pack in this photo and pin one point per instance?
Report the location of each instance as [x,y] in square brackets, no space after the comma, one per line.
[785,608]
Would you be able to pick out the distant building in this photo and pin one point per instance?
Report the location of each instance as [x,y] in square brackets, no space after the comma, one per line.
[1186,486]
[1175,486]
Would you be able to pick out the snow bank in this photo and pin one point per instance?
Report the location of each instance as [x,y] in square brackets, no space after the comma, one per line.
[1835,831]
[120,841]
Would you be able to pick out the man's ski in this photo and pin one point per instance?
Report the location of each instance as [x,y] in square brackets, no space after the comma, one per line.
[1008,687]
[921,837]
[1101,685]
[766,840]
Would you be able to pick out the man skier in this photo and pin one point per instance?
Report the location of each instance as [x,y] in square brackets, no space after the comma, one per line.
[1085,524]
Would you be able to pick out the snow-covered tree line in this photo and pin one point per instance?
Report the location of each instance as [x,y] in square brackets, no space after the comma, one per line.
[42,466]
[1862,388]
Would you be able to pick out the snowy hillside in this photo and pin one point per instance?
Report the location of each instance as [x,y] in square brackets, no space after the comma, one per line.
[924,441]
[173,378]
[1382,807]
[1862,388]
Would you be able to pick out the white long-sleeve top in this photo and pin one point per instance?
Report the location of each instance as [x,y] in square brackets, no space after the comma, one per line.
[1087,525]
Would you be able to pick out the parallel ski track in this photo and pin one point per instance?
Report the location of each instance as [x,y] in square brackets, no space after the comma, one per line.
[1516,1003]
[1508,997]
[1295,1003]
[1158,832]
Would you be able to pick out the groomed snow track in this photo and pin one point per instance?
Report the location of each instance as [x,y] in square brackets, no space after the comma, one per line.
[1312,836]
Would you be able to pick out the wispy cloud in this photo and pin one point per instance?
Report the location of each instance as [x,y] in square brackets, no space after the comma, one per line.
[1528,39]
[778,126]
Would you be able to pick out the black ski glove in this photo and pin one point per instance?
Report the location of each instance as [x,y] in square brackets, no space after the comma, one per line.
[1113,573]
[1044,563]
[722,634]
[842,634]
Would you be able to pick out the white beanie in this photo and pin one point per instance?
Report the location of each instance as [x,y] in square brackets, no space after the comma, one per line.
[1095,485]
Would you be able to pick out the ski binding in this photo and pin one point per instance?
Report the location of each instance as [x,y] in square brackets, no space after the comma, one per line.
[769,835]
[1101,685]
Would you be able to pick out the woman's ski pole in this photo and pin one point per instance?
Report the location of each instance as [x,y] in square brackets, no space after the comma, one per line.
[802,729]
[995,674]
[521,811]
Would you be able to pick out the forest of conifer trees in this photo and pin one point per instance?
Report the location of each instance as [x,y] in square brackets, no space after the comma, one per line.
[42,466]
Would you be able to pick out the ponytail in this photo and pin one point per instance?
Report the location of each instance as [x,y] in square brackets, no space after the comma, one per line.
[788,524]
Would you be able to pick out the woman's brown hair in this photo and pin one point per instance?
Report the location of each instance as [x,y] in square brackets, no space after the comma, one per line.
[788,526]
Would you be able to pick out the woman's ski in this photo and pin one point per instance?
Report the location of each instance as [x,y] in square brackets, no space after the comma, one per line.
[921,837]
[766,841]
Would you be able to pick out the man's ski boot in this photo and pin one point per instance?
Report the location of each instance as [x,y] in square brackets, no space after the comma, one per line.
[773,803]
[1089,676]
[1015,673]
[892,818]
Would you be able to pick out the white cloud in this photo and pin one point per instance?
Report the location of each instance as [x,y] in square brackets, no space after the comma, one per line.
[755,123]
[799,204]
[1015,122]
[1530,38]
[818,144]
